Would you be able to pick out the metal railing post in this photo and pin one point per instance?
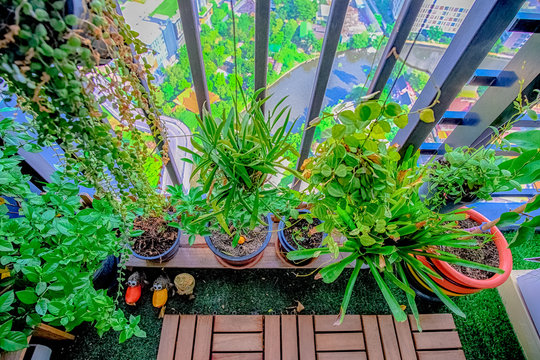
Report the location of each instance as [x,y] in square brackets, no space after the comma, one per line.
[190,25]
[402,28]
[484,24]
[332,34]
[495,106]
[262,33]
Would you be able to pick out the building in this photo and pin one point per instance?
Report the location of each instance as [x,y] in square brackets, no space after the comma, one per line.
[396,7]
[160,33]
[514,40]
[446,14]
[323,12]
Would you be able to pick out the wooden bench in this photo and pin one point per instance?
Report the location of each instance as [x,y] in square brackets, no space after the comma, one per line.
[307,337]
[199,255]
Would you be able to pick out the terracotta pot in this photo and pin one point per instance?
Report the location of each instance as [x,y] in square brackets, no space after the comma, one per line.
[241,262]
[453,282]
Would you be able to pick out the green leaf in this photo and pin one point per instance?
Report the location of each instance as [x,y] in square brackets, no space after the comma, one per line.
[348,290]
[524,234]
[427,116]
[27,296]
[363,112]
[367,240]
[533,205]
[532,114]
[338,131]
[331,272]
[306,254]
[392,109]
[341,170]
[508,218]
[5,328]
[13,341]
[347,117]
[527,140]
[41,307]
[71,20]
[437,290]
[401,121]
[335,190]
[6,300]
[395,307]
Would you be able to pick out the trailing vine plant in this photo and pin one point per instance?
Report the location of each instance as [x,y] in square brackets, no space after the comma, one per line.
[63,68]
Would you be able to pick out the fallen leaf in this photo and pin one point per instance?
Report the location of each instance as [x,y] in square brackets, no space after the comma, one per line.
[403,307]
[299,306]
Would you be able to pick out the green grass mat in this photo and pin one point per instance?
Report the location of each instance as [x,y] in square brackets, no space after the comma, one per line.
[485,334]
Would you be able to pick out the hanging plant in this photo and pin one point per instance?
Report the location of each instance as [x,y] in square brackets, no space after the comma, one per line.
[62,68]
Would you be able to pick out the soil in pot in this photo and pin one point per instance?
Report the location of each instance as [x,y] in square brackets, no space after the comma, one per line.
[157,237]
[254,240]
[298,234]
[487,254]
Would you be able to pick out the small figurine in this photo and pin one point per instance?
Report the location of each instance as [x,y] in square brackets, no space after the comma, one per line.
[135,283]
[185,283]
[161,291]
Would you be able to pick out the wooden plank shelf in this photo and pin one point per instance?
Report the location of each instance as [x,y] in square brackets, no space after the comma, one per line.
[307,337]
[200,256]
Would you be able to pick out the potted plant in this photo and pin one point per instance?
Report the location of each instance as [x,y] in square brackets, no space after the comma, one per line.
[466,174]
[51,251]
[299,232]
[235,159]
[365,192]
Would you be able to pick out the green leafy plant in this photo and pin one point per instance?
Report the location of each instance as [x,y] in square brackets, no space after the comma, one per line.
[466,174]
[61,69]
[235,157]
[367,194]
[51,248]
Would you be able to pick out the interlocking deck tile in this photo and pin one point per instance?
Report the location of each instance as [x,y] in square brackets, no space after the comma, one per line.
[307,337]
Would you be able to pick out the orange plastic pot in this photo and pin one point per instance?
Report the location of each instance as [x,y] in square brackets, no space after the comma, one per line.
[455,283]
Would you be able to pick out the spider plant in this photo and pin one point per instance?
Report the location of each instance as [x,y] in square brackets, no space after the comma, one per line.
[235,156]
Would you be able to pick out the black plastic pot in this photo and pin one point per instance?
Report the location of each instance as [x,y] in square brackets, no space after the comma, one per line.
[449,206]
[285,246]
[166,256]
[241,261]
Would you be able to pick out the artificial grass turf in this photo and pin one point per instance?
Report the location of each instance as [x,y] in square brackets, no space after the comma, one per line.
[486,333]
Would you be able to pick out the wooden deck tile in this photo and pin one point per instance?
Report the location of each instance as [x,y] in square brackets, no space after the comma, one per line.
[436,340]
[238,323]
[373,339]
[441,355]
[237,356]
[325,323]
[272,337]
[289,339]
[388,337]
[306,338]
[234,342]
[167,341]
[433,322]
[186,335]
[339,341]
[352,355]
[203,337]
[405,340]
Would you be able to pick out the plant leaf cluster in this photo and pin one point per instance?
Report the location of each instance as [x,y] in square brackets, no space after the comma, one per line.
[52,247]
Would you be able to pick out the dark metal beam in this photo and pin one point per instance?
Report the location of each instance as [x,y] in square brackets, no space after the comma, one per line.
[262,33]
[332,34]
[526,22]
[484,24]
[190,25]
[402,28]
[495,106]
